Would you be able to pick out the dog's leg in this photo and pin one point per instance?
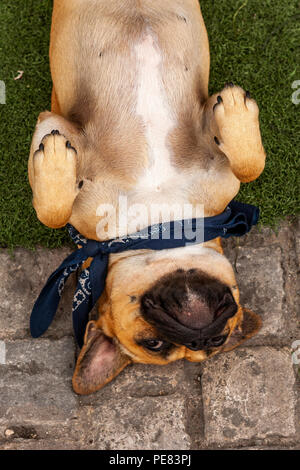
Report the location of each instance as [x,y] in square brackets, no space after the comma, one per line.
[231,117]
[52,169]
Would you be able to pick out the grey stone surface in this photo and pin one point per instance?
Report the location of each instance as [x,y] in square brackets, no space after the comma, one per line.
[259,276]
[146,388]
[23,276]
[260,280]
[134,423]
[39,444]
[41,355]
[267,271]
[146,407]
[139,380]
[245,399]
[249,393]
[35,386]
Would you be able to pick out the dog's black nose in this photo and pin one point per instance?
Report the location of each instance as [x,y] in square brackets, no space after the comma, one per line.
[183,303]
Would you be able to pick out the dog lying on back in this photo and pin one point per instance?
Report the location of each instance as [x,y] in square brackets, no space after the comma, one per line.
[131,118]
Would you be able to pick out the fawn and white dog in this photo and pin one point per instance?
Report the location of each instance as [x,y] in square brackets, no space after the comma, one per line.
[131,117]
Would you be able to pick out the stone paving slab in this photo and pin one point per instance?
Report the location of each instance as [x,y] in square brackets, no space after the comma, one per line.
[260,280]
[141,380]
[23,276]
[249,393]
[246,399]
[146,407]
[35,387]
[134,423]
[267,270]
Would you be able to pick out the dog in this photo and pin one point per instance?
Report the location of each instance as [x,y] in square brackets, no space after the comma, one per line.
[131,117]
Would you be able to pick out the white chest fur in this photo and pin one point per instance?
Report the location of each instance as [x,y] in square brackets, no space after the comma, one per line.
[153,108]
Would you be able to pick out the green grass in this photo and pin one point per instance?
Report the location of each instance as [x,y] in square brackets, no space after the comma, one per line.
[253,43]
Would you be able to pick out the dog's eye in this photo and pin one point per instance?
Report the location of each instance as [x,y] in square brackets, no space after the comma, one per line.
[153,344]
[217,341]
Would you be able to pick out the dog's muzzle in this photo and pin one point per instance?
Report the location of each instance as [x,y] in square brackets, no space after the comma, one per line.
[189,309]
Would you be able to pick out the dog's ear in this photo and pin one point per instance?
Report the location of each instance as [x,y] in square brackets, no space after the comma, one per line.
[100,360]
[249,326]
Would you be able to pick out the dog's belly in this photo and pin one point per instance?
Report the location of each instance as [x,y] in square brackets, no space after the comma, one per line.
[118,73]
[136,95]
[161,181]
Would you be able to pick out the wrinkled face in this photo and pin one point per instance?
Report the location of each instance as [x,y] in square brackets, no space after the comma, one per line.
[160,307]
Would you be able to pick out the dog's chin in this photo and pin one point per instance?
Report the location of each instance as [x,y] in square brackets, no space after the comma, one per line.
[133,274]
[199,356]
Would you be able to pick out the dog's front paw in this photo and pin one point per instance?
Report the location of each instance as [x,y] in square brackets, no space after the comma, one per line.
[55,157]
[55,187]
[236,117]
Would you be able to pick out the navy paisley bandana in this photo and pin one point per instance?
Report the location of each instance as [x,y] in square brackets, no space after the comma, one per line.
[235,221]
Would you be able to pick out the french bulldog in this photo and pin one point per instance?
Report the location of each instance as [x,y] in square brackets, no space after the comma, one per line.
[131,118]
